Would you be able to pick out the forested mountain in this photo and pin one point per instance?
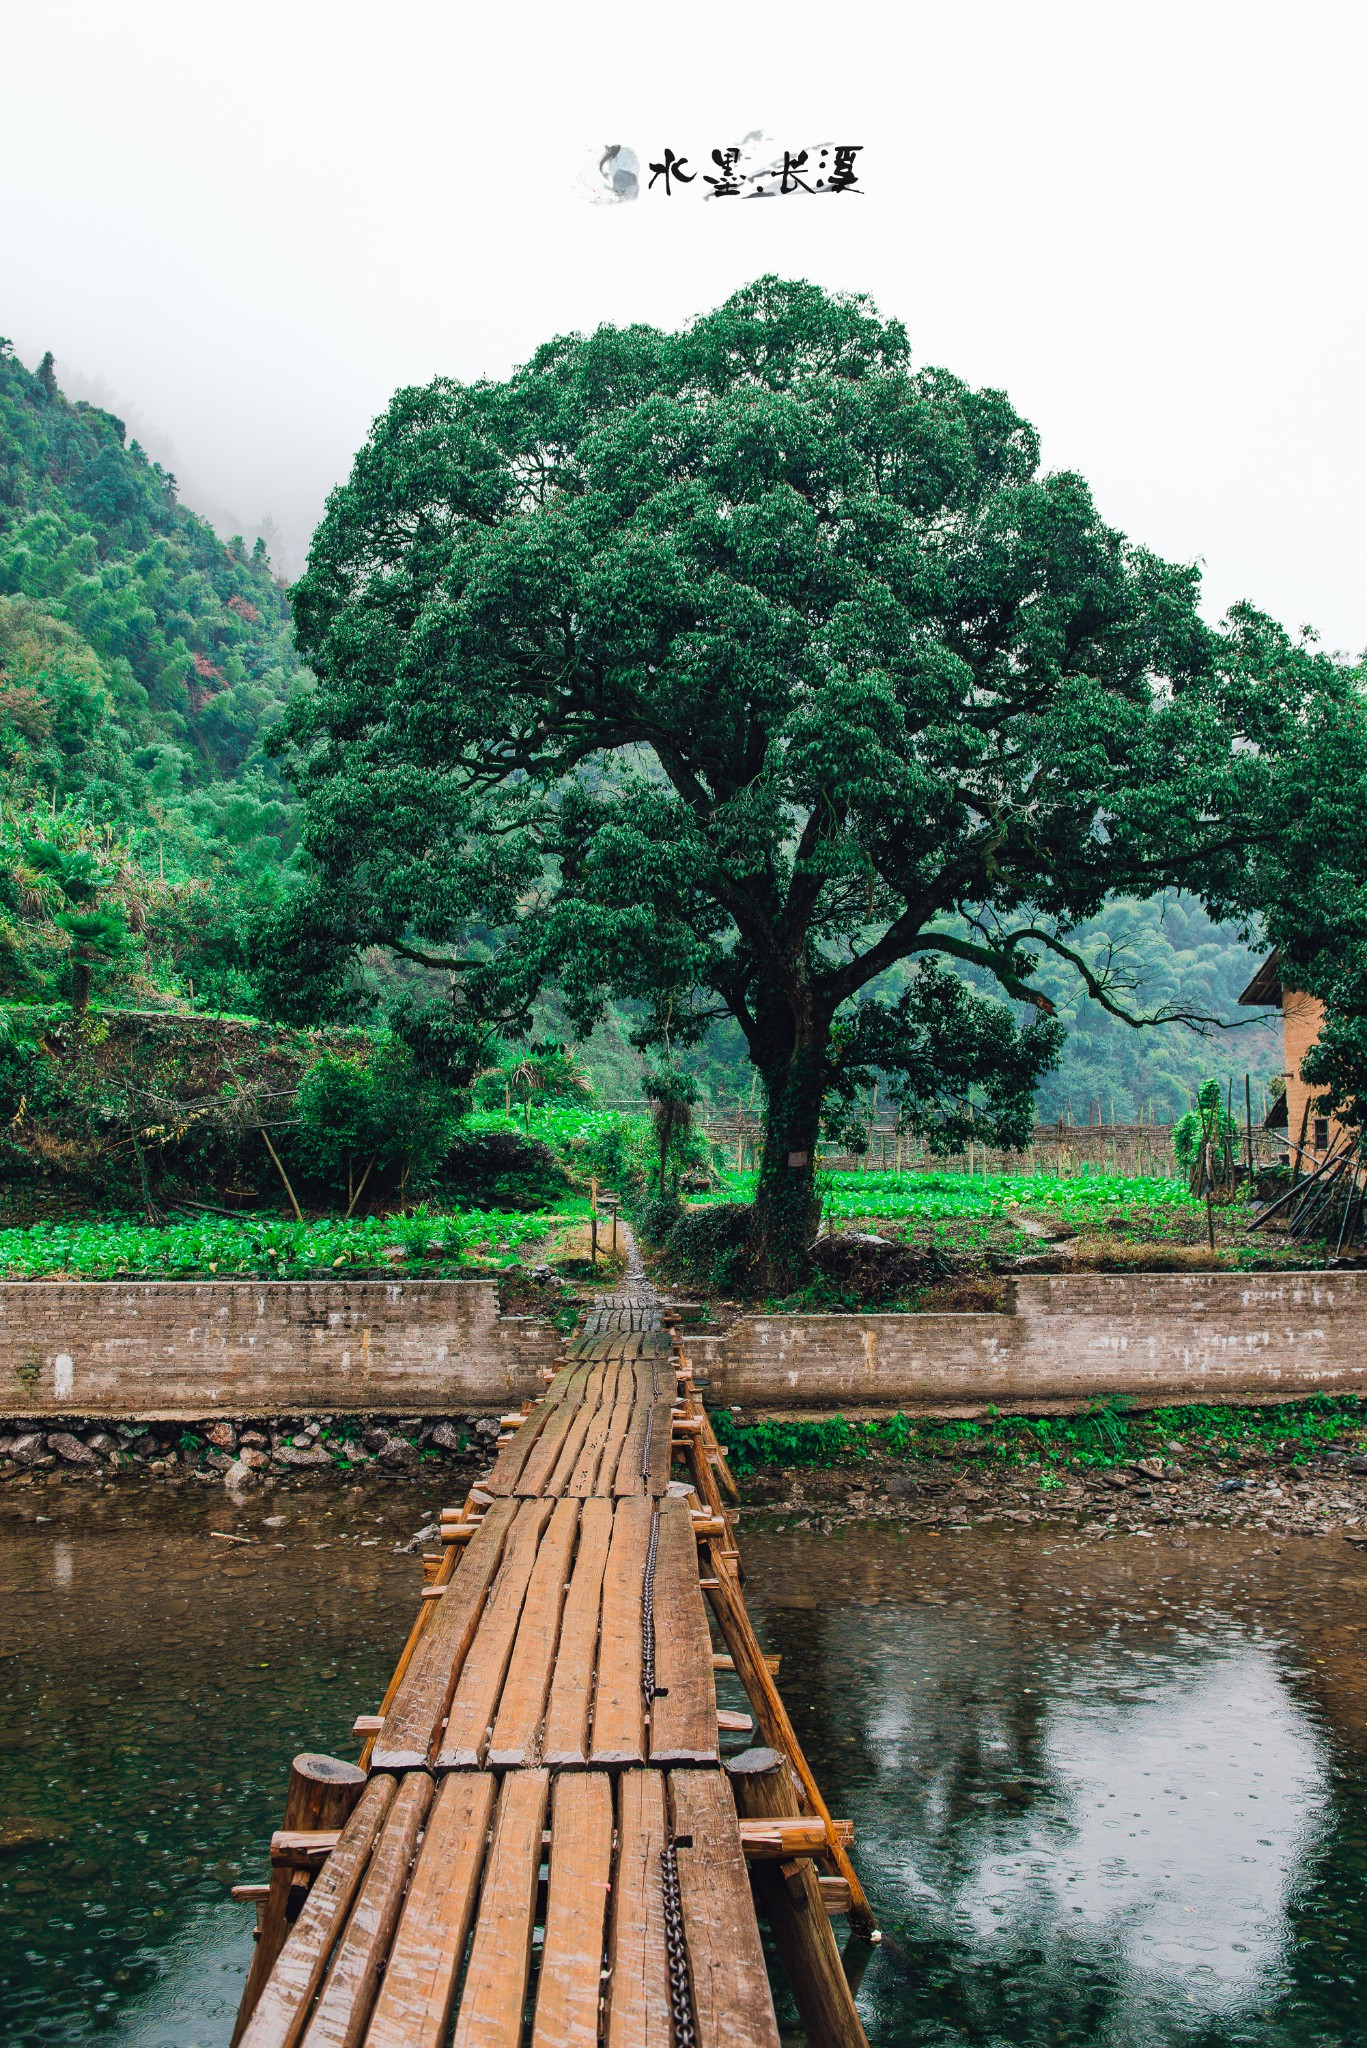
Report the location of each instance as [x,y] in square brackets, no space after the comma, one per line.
[1177,957]
[142,662]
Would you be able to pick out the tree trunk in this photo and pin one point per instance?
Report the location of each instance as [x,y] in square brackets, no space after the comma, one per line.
[80,984]
[787,1209]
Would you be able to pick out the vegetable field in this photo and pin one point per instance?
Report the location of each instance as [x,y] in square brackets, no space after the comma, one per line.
[928,1197]
[263,1247]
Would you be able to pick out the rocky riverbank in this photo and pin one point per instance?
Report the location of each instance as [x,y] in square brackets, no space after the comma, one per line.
[242,1453]
[1325,1495]
[1320,1494]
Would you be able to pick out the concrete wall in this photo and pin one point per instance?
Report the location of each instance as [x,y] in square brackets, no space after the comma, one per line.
[422,1347]
[1066,1338]
[244,1347]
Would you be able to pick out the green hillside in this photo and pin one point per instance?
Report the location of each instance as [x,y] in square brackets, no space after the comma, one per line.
[142,663]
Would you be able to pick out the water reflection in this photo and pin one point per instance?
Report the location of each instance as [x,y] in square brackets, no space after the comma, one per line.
[1095,1792]
[154,1684]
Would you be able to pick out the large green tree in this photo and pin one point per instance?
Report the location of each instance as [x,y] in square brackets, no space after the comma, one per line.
[752,670]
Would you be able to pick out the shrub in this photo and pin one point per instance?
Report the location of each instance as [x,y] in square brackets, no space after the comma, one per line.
[656,1216]
[502,1170]
[1209,1124]
[711,1246]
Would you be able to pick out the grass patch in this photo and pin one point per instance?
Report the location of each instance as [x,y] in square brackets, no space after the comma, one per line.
[1106,1435]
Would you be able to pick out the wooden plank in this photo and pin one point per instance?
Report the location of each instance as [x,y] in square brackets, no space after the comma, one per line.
[565,1740]
[570,1981]
[731,1999]
[529,1672]
[495,1990]
[618,1712]
[567,1380]
[754,1671]
[804,1835]
[623,1410]
[531,1480]
[581,1480]
[683,1714]
[514,1455]
[283,2006]
[571,1445]
[481,1679]
[628,1479]
[657,1483]
[638,1987]
[414,1719]
[349,1993]
[414,2006]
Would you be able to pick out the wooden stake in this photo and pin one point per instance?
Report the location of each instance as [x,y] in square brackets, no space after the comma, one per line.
[790,1898]
[360,1190]
[283,1175]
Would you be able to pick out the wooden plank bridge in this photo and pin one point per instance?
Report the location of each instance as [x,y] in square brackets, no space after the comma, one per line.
[541,1842]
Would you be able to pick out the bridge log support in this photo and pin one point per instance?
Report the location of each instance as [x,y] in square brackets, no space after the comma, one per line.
[789,1895]
[322,1793]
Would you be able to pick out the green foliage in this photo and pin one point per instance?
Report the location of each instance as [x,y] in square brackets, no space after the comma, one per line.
[655,1216]
[1210,1123]
[546,1071]
[104,1105]
[502,1169]
[1308,876]
[713,1247]
[1169,955]
[1095,1439]
[671,1094]
[142,664]
[380,1110]
[260,1246]
[724,672]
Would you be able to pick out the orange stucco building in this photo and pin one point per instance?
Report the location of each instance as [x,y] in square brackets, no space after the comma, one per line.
[1302,1017]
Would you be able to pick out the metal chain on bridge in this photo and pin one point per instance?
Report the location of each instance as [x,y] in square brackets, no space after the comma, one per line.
[648,1617]
[680,1984]
[680,1987]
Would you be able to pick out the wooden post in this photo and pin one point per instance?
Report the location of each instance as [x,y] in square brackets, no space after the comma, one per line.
[1248,1129]
[1209,1194]
[322,1792]
[771,1715]
[789,1896]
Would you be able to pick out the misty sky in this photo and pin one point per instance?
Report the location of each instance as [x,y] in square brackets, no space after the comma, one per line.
[243,226]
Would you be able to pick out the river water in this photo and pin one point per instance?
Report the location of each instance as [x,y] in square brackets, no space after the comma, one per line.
[1105,1792]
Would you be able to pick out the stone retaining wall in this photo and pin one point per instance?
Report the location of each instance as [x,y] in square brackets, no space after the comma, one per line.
[168,1349]
[1064,1339]
[193,1350]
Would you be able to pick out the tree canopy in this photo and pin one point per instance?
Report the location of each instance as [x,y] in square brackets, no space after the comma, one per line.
[755,671]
